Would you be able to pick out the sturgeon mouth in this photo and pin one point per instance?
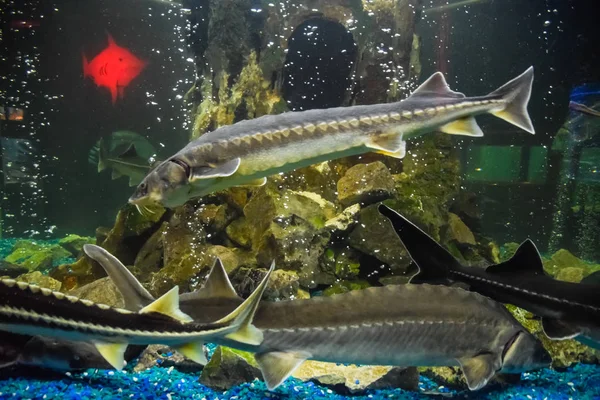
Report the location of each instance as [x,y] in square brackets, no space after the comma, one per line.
[509,344]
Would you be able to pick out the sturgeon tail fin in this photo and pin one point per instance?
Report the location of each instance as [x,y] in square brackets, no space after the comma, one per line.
[434,262]
[516,94]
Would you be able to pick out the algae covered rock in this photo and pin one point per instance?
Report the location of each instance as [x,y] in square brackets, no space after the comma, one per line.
[283,285]
[365,184]
[74,243]
[11,270]
[375,236]
[344,220]
[36,256]
[571,274]
[563,259]
[37,278]
[345,287]
[458,231]
[354,379]
[102,291]
[228,367]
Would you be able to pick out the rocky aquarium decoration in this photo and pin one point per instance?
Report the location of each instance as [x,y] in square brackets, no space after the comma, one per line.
[319,224]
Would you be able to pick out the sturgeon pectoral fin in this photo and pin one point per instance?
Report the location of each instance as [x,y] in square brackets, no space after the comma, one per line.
[168,304]
[113,353]
[221,170]
[465,127]
[558,330]
[255,183]
[277,366]
[391,145]
[193,351]
[244,314]
[479,370]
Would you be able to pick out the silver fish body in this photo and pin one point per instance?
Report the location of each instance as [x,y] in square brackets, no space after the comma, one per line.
[248,151]
[404,325]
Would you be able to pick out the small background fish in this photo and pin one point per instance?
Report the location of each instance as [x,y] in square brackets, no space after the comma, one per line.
[125,152]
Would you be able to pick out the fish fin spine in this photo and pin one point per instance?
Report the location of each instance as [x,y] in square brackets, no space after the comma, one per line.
[277,366]
[434,262]
[465,127]
[243,315]
[436,86]
[193,351]
[516,94]
[168,304]
[479,370]
[525,261]
[113,353]
[390,144]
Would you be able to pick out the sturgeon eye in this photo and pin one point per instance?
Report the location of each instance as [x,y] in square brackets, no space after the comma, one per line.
[143,188]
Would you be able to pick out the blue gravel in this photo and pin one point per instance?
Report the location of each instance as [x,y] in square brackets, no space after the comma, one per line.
[581,382]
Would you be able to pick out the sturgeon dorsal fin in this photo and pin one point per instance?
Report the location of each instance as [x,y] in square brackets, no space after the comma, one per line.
[217,285]
[436,86]
[277,366]
[556,329]
[168,304]
[134,294]
[525,261]
[244,314]
[479,370]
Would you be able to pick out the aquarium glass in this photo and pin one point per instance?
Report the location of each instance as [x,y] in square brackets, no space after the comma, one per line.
[422,175]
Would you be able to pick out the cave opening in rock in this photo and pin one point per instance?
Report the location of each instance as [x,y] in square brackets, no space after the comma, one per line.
[318,66]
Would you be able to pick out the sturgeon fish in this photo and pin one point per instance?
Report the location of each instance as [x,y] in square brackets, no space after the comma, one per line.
[247,152]
[404,325]
[568,310]
[28,309]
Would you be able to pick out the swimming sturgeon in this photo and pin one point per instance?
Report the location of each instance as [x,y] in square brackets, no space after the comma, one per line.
[28,309]
[568,310]
[404,325]
[247,152]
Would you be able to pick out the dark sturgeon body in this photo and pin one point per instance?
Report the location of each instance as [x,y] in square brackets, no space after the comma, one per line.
[568,310]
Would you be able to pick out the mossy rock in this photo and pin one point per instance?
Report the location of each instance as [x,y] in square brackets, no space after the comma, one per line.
[37,278]
[101,291]
[375,236]
[35,256]
[365,184]
[229,367]
[74,243]
[345,287]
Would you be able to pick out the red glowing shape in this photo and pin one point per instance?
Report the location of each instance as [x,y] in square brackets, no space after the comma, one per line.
[114,68]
